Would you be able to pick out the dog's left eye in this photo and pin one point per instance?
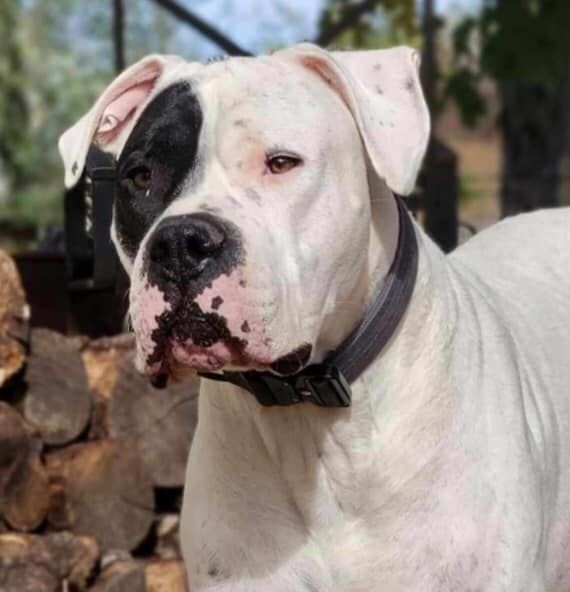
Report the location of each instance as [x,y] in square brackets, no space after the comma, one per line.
[140,177]
[281,163]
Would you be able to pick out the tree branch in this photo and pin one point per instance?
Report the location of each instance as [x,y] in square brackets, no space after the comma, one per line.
[352,16]
[184,15]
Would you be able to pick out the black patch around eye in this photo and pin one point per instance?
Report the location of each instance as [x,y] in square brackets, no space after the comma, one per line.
[165,140]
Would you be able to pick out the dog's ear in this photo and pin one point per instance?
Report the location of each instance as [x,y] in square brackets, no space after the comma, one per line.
[118,106]
[381,88]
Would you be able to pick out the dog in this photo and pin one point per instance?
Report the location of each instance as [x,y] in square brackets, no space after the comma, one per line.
[256,216]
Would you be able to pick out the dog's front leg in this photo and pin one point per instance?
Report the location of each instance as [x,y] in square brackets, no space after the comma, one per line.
[307,584]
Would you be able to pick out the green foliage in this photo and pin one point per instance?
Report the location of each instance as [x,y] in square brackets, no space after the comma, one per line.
[468,190]
[14,109]
[462,86]
[389,22]
[56,56]
[512,42]
[526,40]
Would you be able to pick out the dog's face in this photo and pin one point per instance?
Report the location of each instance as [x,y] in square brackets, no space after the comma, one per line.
[242,210]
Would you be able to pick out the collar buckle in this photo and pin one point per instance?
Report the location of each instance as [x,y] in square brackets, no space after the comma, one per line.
[320,384]
[323,385]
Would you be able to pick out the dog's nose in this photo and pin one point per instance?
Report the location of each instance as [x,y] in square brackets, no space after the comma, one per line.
[181,247]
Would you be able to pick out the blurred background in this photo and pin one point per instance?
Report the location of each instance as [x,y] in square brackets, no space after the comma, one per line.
[495,72]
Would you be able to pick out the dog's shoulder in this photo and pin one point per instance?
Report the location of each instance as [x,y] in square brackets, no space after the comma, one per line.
[530,246]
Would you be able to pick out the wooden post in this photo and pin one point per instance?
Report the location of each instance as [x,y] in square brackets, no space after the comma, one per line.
[118,35]
[439,180]
[429,63]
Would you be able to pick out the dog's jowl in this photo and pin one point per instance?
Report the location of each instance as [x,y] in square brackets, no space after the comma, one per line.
[256,216]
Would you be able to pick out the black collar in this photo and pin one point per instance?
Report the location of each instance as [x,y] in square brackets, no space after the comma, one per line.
[328,384]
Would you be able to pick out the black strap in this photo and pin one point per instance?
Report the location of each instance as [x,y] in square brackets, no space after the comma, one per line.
[328,384]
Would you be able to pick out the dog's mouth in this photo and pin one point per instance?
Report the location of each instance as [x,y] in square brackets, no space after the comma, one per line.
[196,339]
[225,327]
[189,339]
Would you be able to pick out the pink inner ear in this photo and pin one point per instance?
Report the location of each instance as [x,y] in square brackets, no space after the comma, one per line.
[120,109]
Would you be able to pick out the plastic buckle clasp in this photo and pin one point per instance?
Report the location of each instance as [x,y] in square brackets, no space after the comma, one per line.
[324,385]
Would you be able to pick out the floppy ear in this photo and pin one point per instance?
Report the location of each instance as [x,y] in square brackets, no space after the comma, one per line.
[381,88]
[119,104]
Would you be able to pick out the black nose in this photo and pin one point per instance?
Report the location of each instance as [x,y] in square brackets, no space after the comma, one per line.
[181,247]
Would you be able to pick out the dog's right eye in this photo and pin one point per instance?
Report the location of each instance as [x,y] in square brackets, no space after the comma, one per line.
[282,163]
[140,177]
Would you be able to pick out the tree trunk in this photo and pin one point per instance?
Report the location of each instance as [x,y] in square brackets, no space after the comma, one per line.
[534,124]
[119,35]
[438,178]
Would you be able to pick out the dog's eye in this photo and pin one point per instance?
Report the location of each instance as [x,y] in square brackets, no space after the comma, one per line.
[140,177]
[281,163]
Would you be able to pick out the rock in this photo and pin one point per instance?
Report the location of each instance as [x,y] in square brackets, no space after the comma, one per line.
[159,423]
[24,492]
[165,576]
[102,491]
[30,563]
[14,320]
[168,537]
[102,358]
[74,556]
[58,399]
[123,576]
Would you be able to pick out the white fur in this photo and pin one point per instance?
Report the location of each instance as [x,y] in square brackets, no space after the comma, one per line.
[451,470]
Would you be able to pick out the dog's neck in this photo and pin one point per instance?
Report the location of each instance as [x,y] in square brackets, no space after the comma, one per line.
[331,454]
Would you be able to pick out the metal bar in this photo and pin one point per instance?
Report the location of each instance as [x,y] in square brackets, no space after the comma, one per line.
[184,15]
[119,35]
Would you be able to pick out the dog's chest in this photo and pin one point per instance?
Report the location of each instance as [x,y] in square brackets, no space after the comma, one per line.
[267,550]
[316,515]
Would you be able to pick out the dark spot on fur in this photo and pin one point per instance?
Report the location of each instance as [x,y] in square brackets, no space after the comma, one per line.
[242,283]
[377,67]
[210,209]
[217,301]
[245,327]
[308,583]
[409,84]
[254,196]
[379,90]
[239,164]
[293,361]
[216,59]
[213,571]
[240,123]
[233,201]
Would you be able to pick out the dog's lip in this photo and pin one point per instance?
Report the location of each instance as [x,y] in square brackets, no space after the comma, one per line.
[179,357]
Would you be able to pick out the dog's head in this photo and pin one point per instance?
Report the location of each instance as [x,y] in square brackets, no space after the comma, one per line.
[242,210]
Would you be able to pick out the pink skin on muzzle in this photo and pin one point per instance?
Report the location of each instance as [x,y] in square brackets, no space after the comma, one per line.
[226,297]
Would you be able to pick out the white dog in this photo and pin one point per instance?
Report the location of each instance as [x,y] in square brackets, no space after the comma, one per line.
[255,216]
